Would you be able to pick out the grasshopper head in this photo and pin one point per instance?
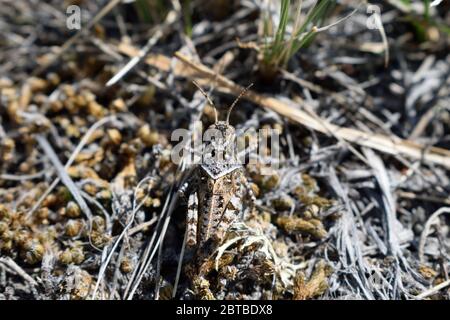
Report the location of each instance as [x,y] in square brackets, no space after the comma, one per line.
[220,142]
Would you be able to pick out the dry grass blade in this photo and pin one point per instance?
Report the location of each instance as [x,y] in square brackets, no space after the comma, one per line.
[433,290]
[16,268]
[426,230]
[74,154]
[64,176]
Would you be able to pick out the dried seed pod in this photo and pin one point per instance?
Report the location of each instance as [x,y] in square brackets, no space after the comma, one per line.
[98,224]
[147,136]
[5,214]
[13,111]
[65,257]
[114,136]
[7,146]
[40,99]
[271,182]
[3,227]
[88,95]
[42,213]
[140,194]
[283,203]
[265,177]
[73,131]
[126,266]
[91,189]
[156,202]
[148,202]
[73,210]
[312,211]
[7,235]
[309,183]
[308,198]
[37,84]
[63,195]
[202,289]
[24,167]
[99,239]
[427,272]
[22,238]
[118,105]
[56,105]
[104,195]
[33,251]
[53,78]
[49,201]
[152,202]
[68,90]
[69,105]
[77,255]
[6,245]
[9,197]
[315,286]
[73,228]
[48,236]
[312,227]
[95,109]
[80,101]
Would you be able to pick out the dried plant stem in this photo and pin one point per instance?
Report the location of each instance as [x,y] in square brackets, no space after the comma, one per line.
[426,230]
[388,144]
[7,261]
[433,290]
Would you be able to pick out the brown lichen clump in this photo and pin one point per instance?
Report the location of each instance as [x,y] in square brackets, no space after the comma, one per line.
[313,227]
[315,286]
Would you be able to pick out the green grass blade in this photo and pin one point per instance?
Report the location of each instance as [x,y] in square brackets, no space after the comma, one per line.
[284,18]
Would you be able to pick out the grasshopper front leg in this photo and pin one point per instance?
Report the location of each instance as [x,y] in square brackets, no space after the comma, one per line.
[249,192]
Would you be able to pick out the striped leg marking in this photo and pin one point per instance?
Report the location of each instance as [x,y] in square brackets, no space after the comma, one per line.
[191,220]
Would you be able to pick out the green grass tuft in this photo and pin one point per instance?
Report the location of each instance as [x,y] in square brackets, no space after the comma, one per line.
[281,45]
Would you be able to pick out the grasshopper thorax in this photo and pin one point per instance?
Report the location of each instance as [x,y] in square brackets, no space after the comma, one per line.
[219,156]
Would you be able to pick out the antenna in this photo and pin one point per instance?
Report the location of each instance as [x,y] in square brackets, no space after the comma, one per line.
[235,101]
[208,99]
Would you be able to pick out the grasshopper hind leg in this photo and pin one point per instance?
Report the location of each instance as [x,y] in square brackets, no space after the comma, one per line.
[228,217]
[231,214]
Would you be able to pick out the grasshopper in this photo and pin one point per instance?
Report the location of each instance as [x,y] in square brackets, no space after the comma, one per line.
[216,188]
